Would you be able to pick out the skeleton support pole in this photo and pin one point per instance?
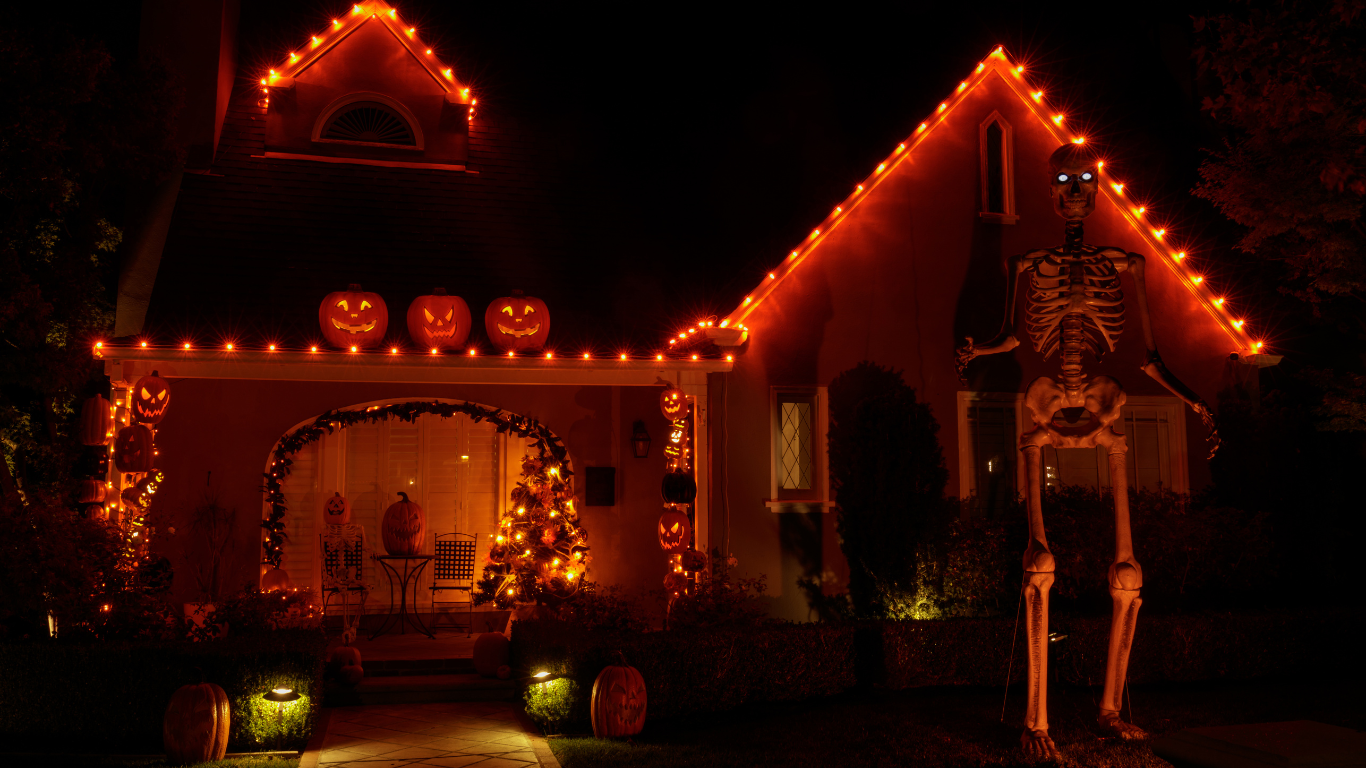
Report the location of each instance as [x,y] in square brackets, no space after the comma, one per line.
[1126,578]
[1038,567]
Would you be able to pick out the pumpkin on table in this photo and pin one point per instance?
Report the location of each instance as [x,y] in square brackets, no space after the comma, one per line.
[133,449]
[517,323]
[404,528]
[675,532]
[438,321]
[337,510]
[195,729]
[618,704]
[97,422]
[151,394]
[353,318]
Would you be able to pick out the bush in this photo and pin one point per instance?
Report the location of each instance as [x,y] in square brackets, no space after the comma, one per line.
[551,703]
[111,697]
[599,607]
[717,600]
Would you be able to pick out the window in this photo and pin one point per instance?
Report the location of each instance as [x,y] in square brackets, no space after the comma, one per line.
[992,471]
[997,170]
[369,122]
[799,460]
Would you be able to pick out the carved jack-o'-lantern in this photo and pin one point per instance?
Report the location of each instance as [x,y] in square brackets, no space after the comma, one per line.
[133,449]
[404,527]
[673,403]
[675,532]
[693,561]
[439,321]
[353,318]
[337,510]
[151,395]
[517,323]
[618,704]
[97,421]
[675,584]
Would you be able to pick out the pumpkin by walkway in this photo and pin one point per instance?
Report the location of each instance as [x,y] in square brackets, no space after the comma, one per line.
[486,734]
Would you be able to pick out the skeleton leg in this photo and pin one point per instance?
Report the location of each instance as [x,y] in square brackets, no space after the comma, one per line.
[1126,578]
[1038,567]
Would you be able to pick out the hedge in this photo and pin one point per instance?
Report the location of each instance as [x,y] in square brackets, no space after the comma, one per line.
[111,697]
[691,672]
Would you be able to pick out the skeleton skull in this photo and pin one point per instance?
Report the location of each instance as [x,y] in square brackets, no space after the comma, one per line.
[1074,180]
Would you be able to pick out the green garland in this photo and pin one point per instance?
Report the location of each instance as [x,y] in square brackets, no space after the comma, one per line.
[549,452]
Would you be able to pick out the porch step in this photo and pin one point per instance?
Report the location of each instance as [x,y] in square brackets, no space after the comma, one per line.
[413,667]
[423,689]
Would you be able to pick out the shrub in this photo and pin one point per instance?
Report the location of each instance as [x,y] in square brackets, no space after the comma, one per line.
[599,607]
[718,600]
[110,697]
[551,703]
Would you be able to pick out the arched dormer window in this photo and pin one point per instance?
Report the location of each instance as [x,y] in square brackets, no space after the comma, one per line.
[368,119]
[998,170]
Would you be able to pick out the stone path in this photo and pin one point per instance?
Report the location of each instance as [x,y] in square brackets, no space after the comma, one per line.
[490,734]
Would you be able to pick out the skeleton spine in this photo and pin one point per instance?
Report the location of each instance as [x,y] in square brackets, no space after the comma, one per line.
[1073,325]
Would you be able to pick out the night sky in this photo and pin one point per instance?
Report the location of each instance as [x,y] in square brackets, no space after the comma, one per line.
[698,144]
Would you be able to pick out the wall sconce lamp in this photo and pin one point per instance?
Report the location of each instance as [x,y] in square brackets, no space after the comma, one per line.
[640,440]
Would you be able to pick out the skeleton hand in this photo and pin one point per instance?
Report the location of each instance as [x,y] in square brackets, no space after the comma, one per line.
[1002,343]
[965,354]
[1208,418]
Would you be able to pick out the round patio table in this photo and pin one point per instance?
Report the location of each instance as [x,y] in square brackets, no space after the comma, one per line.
[409,568]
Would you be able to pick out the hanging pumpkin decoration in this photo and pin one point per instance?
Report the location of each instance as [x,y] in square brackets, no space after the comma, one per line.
[693,561]
[438,321]
[404,528]
[275,579]
[618,705]
[92,492]
[678,488]
[517,323]
[94,512]
[673,403]
[353,318]
[151,394]
[133,498]
[337,510]
[97,421]
[675,532]
[195,729]
[133,449]
[675,584]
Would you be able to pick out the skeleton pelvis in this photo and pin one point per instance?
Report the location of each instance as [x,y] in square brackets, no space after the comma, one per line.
[1082,418]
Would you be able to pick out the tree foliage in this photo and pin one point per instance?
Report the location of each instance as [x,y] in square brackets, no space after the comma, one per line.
[887,467]
[1292,95]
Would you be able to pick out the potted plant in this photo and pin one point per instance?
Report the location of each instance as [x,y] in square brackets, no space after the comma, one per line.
[211,541]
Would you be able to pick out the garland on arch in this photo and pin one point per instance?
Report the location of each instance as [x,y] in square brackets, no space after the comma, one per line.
[551,555]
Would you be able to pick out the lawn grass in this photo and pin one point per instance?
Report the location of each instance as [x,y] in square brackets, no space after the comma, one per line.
[949,727]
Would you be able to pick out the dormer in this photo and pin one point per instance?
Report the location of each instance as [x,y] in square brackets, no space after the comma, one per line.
[367,91]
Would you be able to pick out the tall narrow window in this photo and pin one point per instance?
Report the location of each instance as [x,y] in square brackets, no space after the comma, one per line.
[796,438]
[992,428]
[997,170]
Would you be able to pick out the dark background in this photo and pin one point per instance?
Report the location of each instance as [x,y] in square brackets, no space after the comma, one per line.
[700,143]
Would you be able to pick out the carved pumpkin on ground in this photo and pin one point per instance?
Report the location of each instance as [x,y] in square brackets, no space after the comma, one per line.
[618,705]
[675,532]
[678,488]
[133,449]
[439,321]
[337,510]
[517,323]
[353,318]
[404,528]
[673,403]
[490,652]
[348,659]
[195,729]
[97,423]
[151,394]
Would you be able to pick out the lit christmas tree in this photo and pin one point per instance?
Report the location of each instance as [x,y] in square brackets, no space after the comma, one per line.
[539,554]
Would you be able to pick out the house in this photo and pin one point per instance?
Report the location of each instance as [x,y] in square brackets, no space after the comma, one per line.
[363,159]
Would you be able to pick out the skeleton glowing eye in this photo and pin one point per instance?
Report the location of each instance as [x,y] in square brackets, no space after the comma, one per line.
[1062,178]
[508,309]
[528,310]
[429,315]
[343,305]
[364,304]
[1086,176]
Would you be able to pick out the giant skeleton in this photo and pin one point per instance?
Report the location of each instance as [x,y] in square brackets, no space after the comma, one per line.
[1075,305]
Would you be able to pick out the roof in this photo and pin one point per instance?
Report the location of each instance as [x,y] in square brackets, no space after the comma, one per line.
[1056,122]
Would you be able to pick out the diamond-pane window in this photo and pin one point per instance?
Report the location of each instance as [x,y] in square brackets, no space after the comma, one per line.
[796,465]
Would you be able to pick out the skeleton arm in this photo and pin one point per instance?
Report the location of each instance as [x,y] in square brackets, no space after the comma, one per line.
[1153,365]
[1005,340]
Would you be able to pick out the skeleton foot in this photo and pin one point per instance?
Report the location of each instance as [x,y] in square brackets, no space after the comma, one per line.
[1113,727]
[1038,746]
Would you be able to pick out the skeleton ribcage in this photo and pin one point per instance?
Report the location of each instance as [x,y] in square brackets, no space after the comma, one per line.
[1084,285]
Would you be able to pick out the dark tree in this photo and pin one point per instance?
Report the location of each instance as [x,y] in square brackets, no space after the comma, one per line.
[887,469]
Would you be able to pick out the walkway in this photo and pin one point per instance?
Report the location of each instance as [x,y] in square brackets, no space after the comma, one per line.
[487,734]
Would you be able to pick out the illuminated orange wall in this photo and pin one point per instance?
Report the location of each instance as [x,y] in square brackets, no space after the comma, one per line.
[901,281]
[229,427]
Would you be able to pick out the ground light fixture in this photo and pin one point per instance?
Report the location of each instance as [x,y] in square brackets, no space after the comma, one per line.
[640,440]
[542,677]
[281,697]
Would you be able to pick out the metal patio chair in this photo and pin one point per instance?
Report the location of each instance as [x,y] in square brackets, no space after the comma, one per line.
[343,569]
[453,571]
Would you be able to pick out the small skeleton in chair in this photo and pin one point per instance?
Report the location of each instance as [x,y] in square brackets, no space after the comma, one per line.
[1075,305]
